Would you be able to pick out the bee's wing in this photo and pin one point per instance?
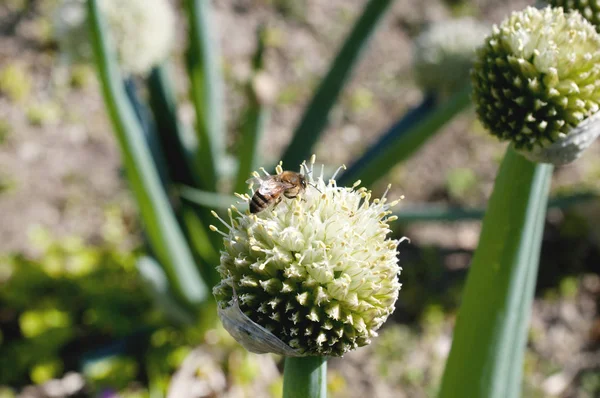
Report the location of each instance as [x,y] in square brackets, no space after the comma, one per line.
[272,187]
[254,182]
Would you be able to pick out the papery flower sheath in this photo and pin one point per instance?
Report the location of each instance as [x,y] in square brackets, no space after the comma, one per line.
[313,275]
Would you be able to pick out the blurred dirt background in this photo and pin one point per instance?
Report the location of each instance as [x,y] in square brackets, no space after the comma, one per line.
[60,168]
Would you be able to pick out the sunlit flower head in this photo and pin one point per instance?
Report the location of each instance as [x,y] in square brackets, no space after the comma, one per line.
[313,275]
[536,79]
[589,9]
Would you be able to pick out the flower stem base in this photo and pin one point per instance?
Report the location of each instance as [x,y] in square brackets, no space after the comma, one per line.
[305,377]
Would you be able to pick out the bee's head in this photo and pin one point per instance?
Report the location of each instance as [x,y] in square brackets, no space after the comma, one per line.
[303,181]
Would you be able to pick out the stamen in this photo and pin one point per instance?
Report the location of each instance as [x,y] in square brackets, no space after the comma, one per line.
[236,210]
[214,213]
[215,229]
[337,171]
[386,191]
[264,171]
[245,197]
[230,216]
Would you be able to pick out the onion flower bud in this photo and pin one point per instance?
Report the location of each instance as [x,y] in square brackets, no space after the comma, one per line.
[536,82]
[316,275]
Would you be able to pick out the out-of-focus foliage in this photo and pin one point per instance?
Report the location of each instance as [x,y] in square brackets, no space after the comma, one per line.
[83,307]
[15,83]
[69,299]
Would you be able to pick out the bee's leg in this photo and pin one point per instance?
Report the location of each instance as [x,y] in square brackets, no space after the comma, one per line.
[277,201]
[291,193]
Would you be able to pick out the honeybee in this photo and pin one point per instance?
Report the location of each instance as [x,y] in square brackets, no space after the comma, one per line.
[288,183]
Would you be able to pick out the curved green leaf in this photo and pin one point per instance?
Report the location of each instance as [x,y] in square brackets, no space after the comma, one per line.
[203,60]
[315,117]
[433,213]
[178,143]
[164,233]
[209,200]
[254,122]
[405,144]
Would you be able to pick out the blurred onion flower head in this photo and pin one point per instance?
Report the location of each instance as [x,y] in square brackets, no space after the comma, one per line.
[444,53]
[315,275]
[142,30]
[590,9]
[536,82]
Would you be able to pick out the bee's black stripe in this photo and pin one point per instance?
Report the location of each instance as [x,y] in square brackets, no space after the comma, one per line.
[258,202]
[254,208]
[260,196]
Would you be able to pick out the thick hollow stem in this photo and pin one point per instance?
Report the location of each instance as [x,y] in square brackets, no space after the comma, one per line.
[486,359]
[305,377]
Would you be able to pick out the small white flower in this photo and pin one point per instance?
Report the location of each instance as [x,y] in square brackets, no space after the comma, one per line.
[315,275]
[444,52]
[142,31]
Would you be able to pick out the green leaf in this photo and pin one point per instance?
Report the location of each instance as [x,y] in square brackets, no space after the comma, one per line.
[162,228]
[203,241]
[396,132]
[316,115]
[179,144]
[156,280]
[203,60]
[147,123]
[209,200]
[406,142]
[305,377]
[184,168]
[254,121]
[435,213]
[486,358]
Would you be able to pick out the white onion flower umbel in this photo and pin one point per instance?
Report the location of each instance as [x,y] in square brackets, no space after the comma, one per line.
[316,275]
[536,82]
[589,9]
[143,31]
[444,53]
